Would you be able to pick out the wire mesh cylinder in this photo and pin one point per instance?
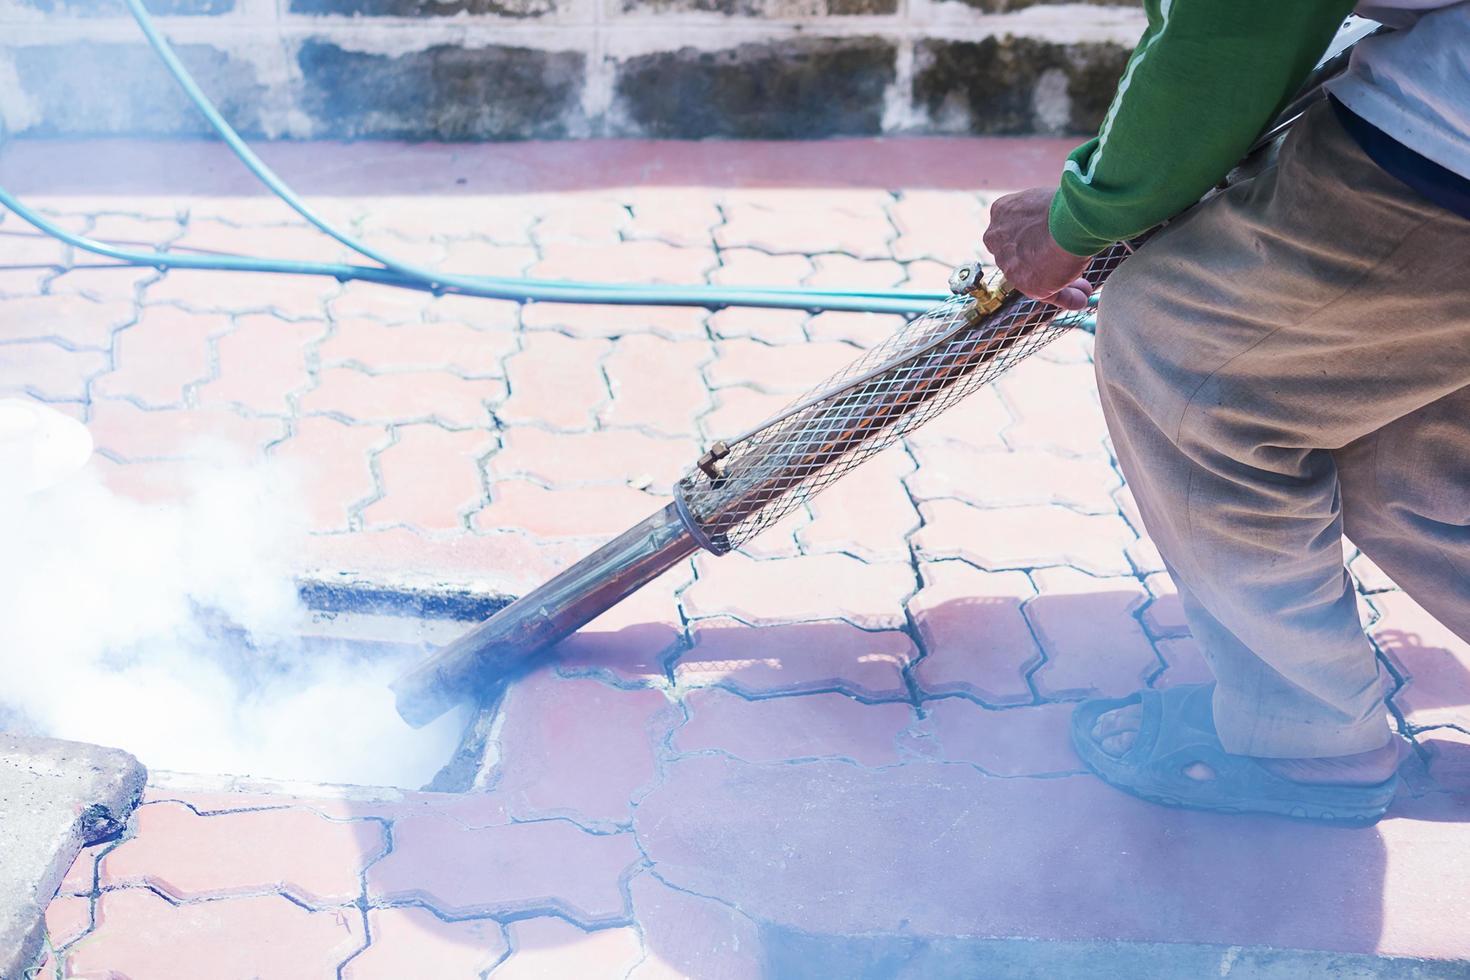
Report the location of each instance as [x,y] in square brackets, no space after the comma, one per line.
[936,359]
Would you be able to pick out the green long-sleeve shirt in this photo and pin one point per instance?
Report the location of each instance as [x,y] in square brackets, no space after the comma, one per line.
[1201,85]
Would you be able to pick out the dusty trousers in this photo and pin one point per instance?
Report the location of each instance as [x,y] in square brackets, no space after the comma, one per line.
[1288,361]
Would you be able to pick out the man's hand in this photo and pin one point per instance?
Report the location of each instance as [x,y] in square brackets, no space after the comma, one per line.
[1024,250]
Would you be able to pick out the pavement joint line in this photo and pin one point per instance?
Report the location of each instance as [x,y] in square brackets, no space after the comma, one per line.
[302,805]
[212,899]
[1043,655]
[362,902]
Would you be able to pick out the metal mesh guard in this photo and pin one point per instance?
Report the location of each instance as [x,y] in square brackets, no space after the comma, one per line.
[775,469]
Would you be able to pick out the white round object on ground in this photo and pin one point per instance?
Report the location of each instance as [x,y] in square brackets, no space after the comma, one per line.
[39,446]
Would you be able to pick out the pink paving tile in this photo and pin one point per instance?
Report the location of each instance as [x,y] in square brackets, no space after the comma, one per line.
[68,918]
[1024,537]
[928,275]
[1164,615]
[1184,663]
[262,362]
[785,590]
[656,384]
[484,314]
[1028,741]
[404,396]
[139,934]
[501,870]
[764,326]
[976,639]
[42,369]
[808,726]
[478,258]
[1434,662]
[381,347]
[627,262]
[590,321]
[416,214]
[788,369]
[792,221]
[25,245]
[1072,347]
[832,271]
[160,356]
[502,563]
[593,217]
[1055,406]
[687,936]
[798,657]
[410,497]
[778,540]
[413,942]
[422,252]
[679,216]
[1144,555]
[1024,857]
[152,232]
[333,461]
[552,949]
[976,422]
[1093,643]
[242,292]
[1449,758]
[579,748]
[942,225]
[555,381]
[1008,479]
[81,876]
[23,282]
[297,242]
[74,320]
[570,512]
[134,433]
[103,284]
[608,456]
[372,301]
[1369,576]
[752,267]
[184,855]
[867,513]
[739,409]
[163,482]
[863,329]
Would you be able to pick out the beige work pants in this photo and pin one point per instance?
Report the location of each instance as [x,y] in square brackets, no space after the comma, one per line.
[1286,361]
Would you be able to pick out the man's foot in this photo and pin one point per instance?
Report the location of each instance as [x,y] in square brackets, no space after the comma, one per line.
[1162,746]
[1116,731]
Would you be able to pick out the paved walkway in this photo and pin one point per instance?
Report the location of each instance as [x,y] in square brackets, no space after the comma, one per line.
[855,727]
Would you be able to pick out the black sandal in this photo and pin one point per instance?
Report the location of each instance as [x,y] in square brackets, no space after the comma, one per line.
[1178,731]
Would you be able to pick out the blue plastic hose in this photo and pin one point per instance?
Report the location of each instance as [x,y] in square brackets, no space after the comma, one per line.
[406,275]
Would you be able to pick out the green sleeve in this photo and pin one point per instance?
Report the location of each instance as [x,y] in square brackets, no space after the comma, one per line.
[1205,79]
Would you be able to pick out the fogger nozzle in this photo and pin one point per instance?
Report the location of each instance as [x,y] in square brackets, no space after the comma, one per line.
[747,483]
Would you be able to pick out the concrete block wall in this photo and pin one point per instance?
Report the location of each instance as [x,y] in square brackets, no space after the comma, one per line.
[531,69]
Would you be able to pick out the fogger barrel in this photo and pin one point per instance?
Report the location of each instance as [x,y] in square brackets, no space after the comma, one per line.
[747,483]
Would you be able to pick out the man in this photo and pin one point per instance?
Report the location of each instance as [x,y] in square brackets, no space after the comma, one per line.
[1288,361]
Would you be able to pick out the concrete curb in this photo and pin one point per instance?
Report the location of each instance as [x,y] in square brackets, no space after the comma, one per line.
[55,798]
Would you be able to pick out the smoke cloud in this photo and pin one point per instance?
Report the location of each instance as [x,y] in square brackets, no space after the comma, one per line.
[174,631]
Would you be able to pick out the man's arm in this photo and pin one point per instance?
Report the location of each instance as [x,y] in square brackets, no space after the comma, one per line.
[1205,79]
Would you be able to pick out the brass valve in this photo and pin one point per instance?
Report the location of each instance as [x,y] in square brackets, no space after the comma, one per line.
[987,291]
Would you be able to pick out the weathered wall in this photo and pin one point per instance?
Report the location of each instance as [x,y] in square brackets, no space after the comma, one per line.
[517,69]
